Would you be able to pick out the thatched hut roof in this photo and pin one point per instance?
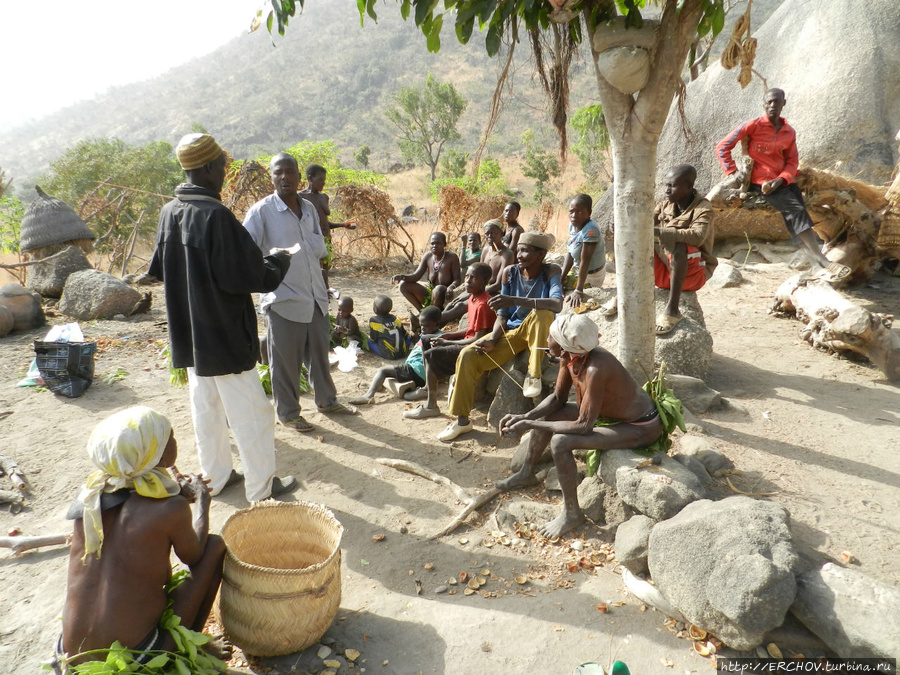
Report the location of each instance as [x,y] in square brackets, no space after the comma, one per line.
[48,221]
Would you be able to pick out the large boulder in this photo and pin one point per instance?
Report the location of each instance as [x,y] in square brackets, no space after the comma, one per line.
[632,540]
[49,278]
[845,106]
[508,399]
[602,504]
[687,350]
[855,615]
[693,393]
[92,294]
[727,566]
[24,305]
[7,321]
[658,490]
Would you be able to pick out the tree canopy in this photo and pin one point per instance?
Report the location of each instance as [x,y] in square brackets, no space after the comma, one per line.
[426,118]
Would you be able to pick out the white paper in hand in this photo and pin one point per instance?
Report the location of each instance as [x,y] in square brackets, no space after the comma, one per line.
[291,251]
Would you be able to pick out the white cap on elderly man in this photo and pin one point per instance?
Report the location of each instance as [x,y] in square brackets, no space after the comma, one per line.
[196,150]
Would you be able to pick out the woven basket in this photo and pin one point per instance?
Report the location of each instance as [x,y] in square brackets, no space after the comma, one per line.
[281,585]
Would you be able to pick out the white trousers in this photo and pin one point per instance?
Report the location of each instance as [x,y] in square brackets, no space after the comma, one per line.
[236,401]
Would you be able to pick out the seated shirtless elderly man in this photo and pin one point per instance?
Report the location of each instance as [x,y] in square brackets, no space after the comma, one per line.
[128,517]
[603,390]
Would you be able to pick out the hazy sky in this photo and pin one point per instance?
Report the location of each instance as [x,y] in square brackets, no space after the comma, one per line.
[57,52]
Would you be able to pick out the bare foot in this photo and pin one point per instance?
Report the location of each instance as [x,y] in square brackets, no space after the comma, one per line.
[521,478]
[219,647]
[563,523]
[362,400]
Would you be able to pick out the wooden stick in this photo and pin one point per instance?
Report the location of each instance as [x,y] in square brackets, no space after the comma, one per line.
[419,470]
[20,544]
[12,266]
[11,468]
[474,505]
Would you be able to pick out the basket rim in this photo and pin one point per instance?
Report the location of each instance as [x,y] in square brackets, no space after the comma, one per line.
[273,504]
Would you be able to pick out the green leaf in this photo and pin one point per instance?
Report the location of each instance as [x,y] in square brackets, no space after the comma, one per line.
[423,11]
[361,6]
[370,10]
[434,35]
[404,9]
[182,668]
[269,22]
[492,41]
[464,30]
[592,461]
[717,19]
[157,661]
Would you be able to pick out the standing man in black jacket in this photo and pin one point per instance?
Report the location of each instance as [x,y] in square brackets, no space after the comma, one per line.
[210,266]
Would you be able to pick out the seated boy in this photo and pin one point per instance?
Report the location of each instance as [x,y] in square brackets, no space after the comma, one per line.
[345,324]
[412,372]
[387,336]
[133,512]
[441,352]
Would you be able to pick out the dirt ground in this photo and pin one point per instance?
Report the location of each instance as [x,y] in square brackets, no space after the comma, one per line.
[819,431]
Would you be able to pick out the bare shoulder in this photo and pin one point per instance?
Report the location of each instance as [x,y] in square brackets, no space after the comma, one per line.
[553,269]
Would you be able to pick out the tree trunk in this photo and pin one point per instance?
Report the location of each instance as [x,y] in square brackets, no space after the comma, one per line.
[634,168]
[635,123]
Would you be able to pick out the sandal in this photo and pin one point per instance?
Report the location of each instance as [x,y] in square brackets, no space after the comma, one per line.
[665,323]
[834,273]
[339,409]
[297,424]
[609,308]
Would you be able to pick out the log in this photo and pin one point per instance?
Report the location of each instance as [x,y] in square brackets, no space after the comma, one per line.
[19,544]
[836,324]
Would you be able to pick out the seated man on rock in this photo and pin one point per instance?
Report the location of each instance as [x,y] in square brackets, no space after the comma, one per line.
[530,295]
[604,391]
[128,517]
[440,268]
[683,259]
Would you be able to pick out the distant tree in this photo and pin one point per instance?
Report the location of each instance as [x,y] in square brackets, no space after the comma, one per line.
[591,144]
[426,119]
[150,173]
[453,163]
[539,165]
[361,156]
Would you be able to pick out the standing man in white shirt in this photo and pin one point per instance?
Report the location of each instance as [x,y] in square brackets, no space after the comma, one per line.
[297,326]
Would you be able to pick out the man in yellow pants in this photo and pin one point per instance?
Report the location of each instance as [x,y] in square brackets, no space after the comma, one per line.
[530,296]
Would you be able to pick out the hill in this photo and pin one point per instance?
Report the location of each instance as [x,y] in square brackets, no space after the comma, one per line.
[328,78]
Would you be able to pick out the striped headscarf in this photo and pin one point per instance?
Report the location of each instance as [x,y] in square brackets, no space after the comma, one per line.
[126,448]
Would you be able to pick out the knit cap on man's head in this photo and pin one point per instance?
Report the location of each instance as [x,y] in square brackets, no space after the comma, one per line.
[196,150]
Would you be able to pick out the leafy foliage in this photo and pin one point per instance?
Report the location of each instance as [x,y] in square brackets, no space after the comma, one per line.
[541,166]
[12,210]
[324,153]
[426,119]
[592,139]
[151,172]
[488,181]
[361,156]
[453,163]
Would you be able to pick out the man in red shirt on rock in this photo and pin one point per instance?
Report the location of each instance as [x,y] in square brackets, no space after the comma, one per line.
[772,145]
